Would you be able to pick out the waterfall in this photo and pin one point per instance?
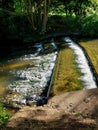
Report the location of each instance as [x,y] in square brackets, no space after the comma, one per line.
[83,65]
[30,85]
[53,44]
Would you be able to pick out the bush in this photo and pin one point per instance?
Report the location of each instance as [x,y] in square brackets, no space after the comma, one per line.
[87,25]
[4,115]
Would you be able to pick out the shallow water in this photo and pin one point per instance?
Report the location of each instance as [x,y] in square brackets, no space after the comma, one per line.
[24,80]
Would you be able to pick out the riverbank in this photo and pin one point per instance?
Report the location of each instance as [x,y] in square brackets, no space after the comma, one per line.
[76,110]
[70,104]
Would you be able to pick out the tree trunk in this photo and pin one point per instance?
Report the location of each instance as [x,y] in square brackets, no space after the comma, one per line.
[45,15]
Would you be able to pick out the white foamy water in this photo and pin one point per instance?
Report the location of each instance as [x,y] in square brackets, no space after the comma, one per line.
[87,77]
[53,44]
[32,80]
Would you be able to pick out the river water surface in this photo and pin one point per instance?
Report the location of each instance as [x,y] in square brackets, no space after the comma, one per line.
[24,79]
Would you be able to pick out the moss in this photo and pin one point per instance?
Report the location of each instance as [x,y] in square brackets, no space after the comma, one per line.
[66,77]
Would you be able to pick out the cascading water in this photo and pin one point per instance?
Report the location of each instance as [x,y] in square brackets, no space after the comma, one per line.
[87,77]
[32,80]
[53,44]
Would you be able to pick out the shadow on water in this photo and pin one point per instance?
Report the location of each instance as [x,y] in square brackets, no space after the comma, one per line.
[14,48]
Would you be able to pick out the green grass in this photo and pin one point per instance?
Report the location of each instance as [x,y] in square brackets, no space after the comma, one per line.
[66,77]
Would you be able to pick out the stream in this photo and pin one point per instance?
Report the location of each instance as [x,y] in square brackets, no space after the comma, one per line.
[28,77]
[27,80]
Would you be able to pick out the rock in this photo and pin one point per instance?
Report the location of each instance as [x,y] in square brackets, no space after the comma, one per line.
[31,103]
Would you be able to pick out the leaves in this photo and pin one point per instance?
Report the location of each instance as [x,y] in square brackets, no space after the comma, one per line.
[3,114]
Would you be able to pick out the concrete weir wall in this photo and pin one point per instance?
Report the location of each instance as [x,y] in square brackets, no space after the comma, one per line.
[46,92]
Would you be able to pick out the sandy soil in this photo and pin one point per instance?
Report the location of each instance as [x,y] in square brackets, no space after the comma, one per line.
[76,110]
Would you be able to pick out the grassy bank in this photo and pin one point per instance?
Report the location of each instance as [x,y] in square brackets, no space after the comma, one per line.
[92,50]
[66,77]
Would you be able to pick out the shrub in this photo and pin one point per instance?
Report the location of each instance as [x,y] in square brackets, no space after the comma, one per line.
[4,115]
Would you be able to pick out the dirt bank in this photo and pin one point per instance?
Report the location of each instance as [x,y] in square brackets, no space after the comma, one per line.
[73,110]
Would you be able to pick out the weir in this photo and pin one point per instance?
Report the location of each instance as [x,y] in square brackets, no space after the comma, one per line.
[33,83]
[83,61]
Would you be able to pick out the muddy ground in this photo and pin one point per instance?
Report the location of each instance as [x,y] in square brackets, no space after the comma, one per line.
[76,110]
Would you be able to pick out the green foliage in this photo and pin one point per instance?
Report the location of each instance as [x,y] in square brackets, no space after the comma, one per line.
[76,7]
[70,24]
[82,115]
[19,7]
[89,25]
[3,114]
[20,19]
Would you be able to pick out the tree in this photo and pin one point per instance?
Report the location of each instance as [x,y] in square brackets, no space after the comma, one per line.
[7,6]
[37,13]
[77,7]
